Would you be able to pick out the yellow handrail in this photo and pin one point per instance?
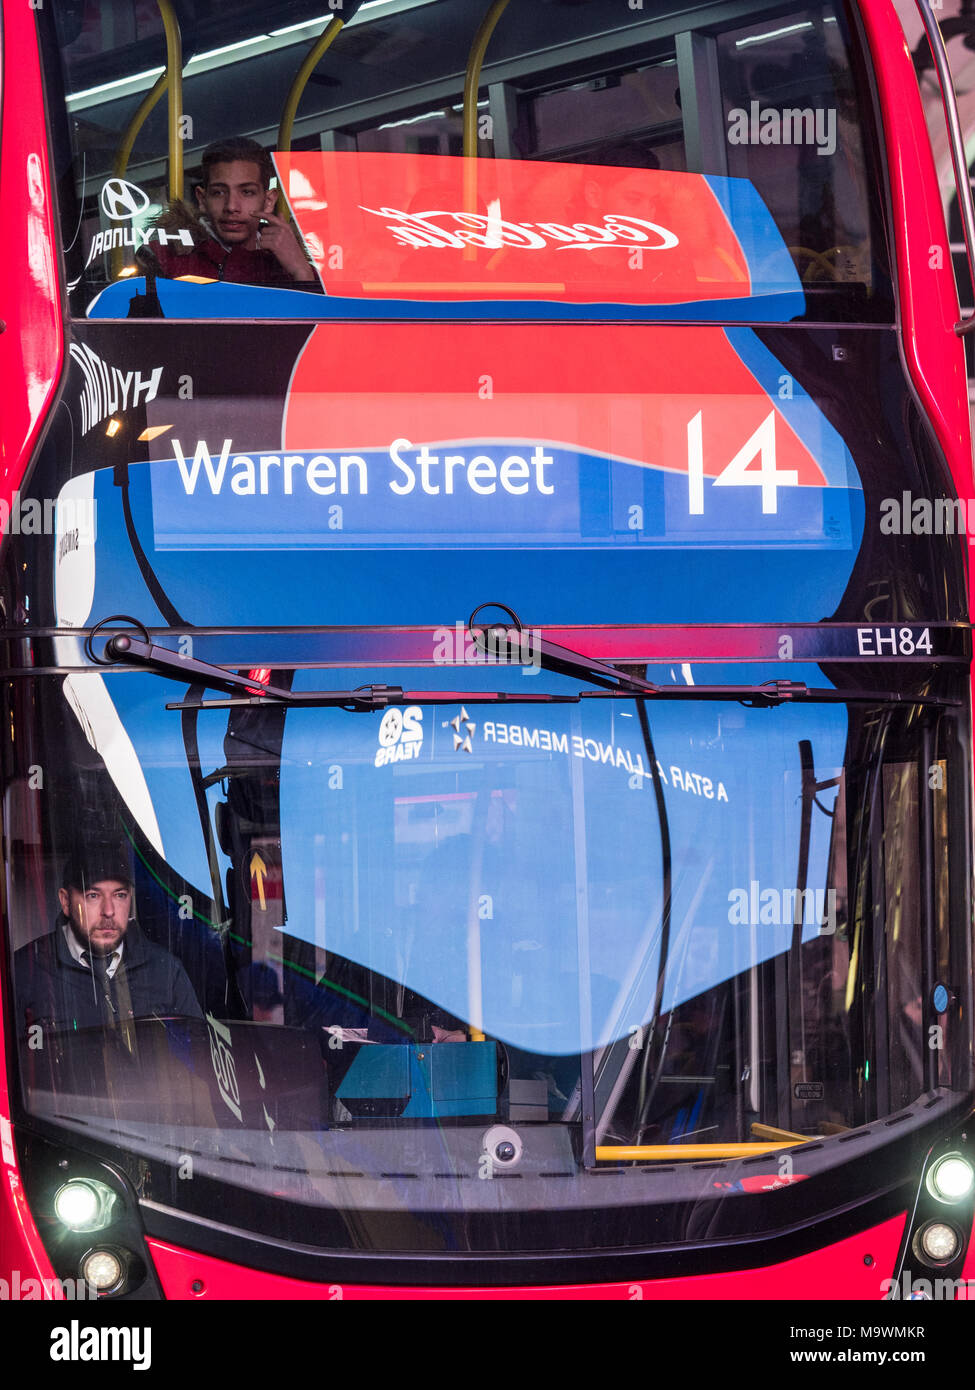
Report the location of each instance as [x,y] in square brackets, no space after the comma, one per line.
[124,150]
[667,1153]
[174,70]
[472,81]
[324,41]
[787,1136]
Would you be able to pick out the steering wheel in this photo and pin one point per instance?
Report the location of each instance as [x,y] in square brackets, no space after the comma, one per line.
[825,265]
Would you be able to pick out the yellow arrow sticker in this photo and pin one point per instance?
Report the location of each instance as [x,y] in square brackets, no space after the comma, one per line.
[258,871]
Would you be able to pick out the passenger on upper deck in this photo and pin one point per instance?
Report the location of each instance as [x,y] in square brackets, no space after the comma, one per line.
[237,236]
[96,966]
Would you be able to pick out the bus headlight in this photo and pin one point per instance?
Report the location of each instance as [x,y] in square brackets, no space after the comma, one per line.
[951,1178]
[84,1204]
[103,1269]
[937,1243]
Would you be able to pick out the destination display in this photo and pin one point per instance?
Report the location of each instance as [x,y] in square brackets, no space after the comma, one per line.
[687,474]
[412,435]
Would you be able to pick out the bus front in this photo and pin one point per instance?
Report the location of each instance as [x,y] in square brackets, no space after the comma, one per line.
[487,802]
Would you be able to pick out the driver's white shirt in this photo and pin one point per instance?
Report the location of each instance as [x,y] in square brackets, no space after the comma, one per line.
[81,955]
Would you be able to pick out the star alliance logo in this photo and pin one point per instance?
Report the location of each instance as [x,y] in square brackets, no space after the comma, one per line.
[462,742]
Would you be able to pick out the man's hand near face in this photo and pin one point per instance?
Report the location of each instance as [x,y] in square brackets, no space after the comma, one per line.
[278,238]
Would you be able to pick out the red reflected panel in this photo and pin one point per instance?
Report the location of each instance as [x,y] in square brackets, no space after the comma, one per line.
[608,390]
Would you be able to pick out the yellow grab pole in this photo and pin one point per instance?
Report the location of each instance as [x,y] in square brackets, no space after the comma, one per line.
[785,1136]
[174,69]
[668,1153]
[124,151]
[472,82]
[172,79]
[324,41]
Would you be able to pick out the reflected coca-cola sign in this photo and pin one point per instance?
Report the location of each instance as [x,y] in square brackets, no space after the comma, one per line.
[440,228]
[426,227]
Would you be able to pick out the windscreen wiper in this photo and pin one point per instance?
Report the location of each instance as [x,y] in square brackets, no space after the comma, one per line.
[508,645]
[134,646]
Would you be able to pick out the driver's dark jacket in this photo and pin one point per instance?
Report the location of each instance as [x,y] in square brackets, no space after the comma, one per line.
[56,991]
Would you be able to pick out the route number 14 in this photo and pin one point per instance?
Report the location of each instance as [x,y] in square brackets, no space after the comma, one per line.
[738,473]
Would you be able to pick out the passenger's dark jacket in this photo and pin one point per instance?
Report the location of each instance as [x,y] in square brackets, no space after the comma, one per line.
[56,991]
[235,264]
[209,258]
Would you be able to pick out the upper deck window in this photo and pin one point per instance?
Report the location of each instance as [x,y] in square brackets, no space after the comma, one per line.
[794,131]
[582,121]
[747,140]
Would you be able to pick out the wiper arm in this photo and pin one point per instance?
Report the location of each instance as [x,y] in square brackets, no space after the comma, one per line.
[498,641]
[126,647]
[123,646]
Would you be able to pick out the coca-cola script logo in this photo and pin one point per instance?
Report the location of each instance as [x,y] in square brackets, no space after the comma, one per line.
[419,230]
[440,228]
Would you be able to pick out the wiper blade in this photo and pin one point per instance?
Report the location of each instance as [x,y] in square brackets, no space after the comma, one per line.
[769,693]
[367,697]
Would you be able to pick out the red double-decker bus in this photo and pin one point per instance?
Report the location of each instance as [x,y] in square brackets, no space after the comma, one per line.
[487,762]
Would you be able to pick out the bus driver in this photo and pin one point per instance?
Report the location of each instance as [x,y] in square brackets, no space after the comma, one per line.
[96,966]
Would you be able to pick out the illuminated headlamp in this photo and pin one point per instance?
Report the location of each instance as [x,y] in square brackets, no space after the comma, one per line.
[951,1178]
[84,1204]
